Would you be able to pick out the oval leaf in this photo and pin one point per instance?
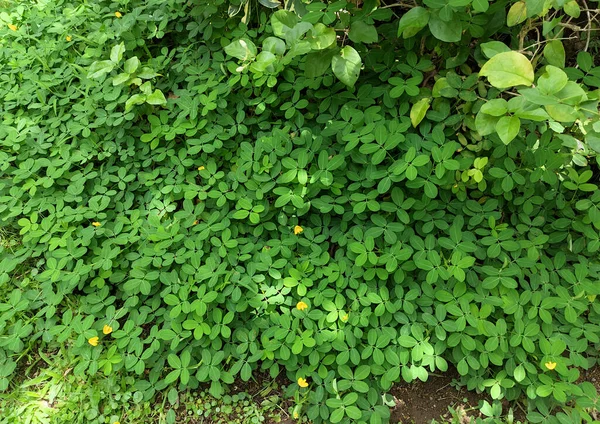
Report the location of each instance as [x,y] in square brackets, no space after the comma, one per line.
[346,65]
[508,70]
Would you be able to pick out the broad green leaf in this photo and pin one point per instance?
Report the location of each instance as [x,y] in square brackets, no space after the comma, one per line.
[554,53]
[508,69]
[101,68]
[241,49]
[516,14]
[507,128]
[116,53]
[131,65]
[282,22]
[263,60]
[552,80]
[492,48]
[481,5]
[361,32]
[321,37]
[156,98]
[317,63]
[271,4]
[346,65]
[418,111]
[572,9]
[562,113]
[495,107]
[274,45]
[413,21]
[450,32]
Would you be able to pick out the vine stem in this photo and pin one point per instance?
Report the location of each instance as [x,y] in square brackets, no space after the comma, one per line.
[409,6]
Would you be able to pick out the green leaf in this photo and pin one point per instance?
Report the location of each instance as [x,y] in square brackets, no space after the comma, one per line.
[156,98]
[116,53]
[554,53]
[413,21]
[99,69]
[516,14]
[450,32]
[508,69]
[495,107]
[361,32]
[271,4]
[552,80]
[481,5]
[317,63]
[508,128]
[282,22]
[346,65]
[131,65]
[274,45]
[241,49]
[321,37]
[492,48]
[418,111]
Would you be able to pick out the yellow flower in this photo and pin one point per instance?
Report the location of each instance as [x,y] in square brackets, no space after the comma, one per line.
[301,306]
[345,318]
[298,229]
[96,224]
[201,168]
[116,422]
[118,14]
[13,27]
[296,414]
[93,341]
[302,382]
[107,329]
[550,365]
[196,222]
[68,38]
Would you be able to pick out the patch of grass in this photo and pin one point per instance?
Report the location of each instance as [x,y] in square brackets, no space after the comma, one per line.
[47,392]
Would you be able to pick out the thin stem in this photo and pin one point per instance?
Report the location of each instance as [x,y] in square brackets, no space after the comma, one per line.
[409,6]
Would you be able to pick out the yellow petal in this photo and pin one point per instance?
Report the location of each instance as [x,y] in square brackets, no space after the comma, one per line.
[301,306]
[298,229]
[68,38]
[107,329]
[550,365]
[302,382]
[345,317]
[118,14]
[201,168]
[93,341]
[96,224]
[13,27]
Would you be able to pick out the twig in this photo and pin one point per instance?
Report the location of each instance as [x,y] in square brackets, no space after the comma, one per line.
[588,24]
[410,6]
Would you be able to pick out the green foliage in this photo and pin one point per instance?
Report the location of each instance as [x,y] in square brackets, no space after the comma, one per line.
[349,193]
[47,392]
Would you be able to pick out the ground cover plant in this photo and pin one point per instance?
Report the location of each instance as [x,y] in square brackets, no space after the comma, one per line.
[346,193]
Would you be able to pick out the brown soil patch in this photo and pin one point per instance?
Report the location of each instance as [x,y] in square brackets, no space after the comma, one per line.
[420,402]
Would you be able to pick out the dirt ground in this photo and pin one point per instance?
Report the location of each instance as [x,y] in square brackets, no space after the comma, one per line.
[420,402]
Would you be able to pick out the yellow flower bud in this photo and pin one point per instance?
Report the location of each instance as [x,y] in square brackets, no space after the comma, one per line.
[93,341]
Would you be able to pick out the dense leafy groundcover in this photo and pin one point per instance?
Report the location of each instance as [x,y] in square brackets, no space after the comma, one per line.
[352,194]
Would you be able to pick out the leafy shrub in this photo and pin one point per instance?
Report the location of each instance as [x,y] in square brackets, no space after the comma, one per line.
[351,193]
